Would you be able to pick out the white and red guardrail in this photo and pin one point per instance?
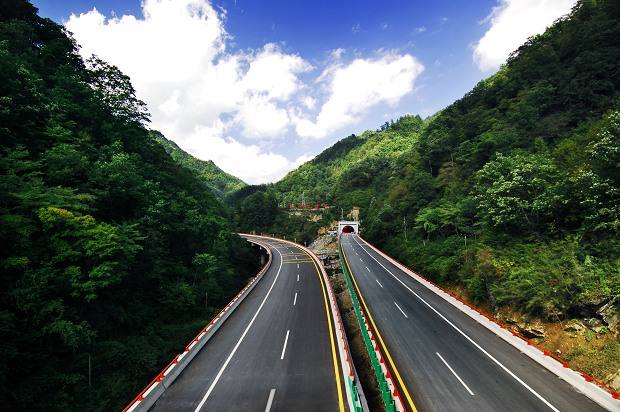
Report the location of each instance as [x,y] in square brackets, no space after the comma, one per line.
[149,395]
[594,389]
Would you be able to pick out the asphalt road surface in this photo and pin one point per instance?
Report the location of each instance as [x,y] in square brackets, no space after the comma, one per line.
[274,353]
[446,361]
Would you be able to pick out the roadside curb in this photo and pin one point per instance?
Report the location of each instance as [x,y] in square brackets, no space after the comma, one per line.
[153,391]
[593,389]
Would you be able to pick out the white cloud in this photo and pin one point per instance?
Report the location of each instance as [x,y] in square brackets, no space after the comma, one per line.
[176,57]
[356,28]
[250,163]
[309,102]
[512,22]
[358,86]
[274,73]
[336,54]
[420,29]
[199,92]
[260,117]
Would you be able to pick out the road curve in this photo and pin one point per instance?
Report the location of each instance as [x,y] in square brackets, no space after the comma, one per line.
[442,358]
[274,353]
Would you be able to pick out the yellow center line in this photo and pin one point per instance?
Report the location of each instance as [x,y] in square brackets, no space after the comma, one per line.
[329,323]
[387,353]
[331,336]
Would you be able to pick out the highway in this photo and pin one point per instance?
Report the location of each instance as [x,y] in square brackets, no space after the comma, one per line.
[443,360]
[276,352]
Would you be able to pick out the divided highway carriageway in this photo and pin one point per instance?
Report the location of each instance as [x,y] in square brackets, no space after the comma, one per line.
[443,358]
[281,349]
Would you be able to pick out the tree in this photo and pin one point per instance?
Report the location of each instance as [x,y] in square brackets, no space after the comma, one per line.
[519,192]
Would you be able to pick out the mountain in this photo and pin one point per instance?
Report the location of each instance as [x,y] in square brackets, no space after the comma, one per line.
[108,245]
[219,182]
[356,166]
[511,193]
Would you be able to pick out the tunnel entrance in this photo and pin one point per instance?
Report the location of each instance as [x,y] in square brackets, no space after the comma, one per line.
[348,226]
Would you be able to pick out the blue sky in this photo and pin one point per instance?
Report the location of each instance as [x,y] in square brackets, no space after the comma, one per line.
[260,86]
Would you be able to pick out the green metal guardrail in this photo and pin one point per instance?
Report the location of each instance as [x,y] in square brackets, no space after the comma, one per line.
[386,394]
[357,404]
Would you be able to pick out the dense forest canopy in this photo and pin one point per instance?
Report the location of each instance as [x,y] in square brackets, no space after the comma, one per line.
[108,245]
[512,192]
[219,182]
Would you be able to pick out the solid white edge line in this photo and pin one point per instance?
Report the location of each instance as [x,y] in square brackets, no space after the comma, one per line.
[378,283]
[284,347]
[232,353]
[498,363]
[272,393]
[401,311]
[454,373]
[295,300]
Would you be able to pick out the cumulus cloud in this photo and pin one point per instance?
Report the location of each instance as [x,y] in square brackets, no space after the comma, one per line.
[512,22]
[200,93]
[177,59]
[249,162]
[356,87]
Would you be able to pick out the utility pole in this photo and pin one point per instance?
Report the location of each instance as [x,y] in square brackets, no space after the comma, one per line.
[206,299]
[341,214]
[405,226]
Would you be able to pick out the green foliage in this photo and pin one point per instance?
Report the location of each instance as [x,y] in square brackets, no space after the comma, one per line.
[109,246]
[219,182]
[550,278]
[519,192]
[513,190]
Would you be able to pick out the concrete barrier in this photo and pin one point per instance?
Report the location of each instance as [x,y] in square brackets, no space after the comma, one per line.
[151,393]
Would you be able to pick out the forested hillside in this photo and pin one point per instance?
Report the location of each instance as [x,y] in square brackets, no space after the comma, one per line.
[108,246]
[354,168]
[219,182]
[512,192]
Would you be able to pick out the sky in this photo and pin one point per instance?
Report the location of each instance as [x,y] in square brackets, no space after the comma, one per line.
[260,87]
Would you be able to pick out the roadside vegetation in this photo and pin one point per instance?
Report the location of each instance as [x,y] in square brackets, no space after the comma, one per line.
[512,193]
[108,245]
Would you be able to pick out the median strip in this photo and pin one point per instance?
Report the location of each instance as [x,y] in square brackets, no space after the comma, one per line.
[384,382]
